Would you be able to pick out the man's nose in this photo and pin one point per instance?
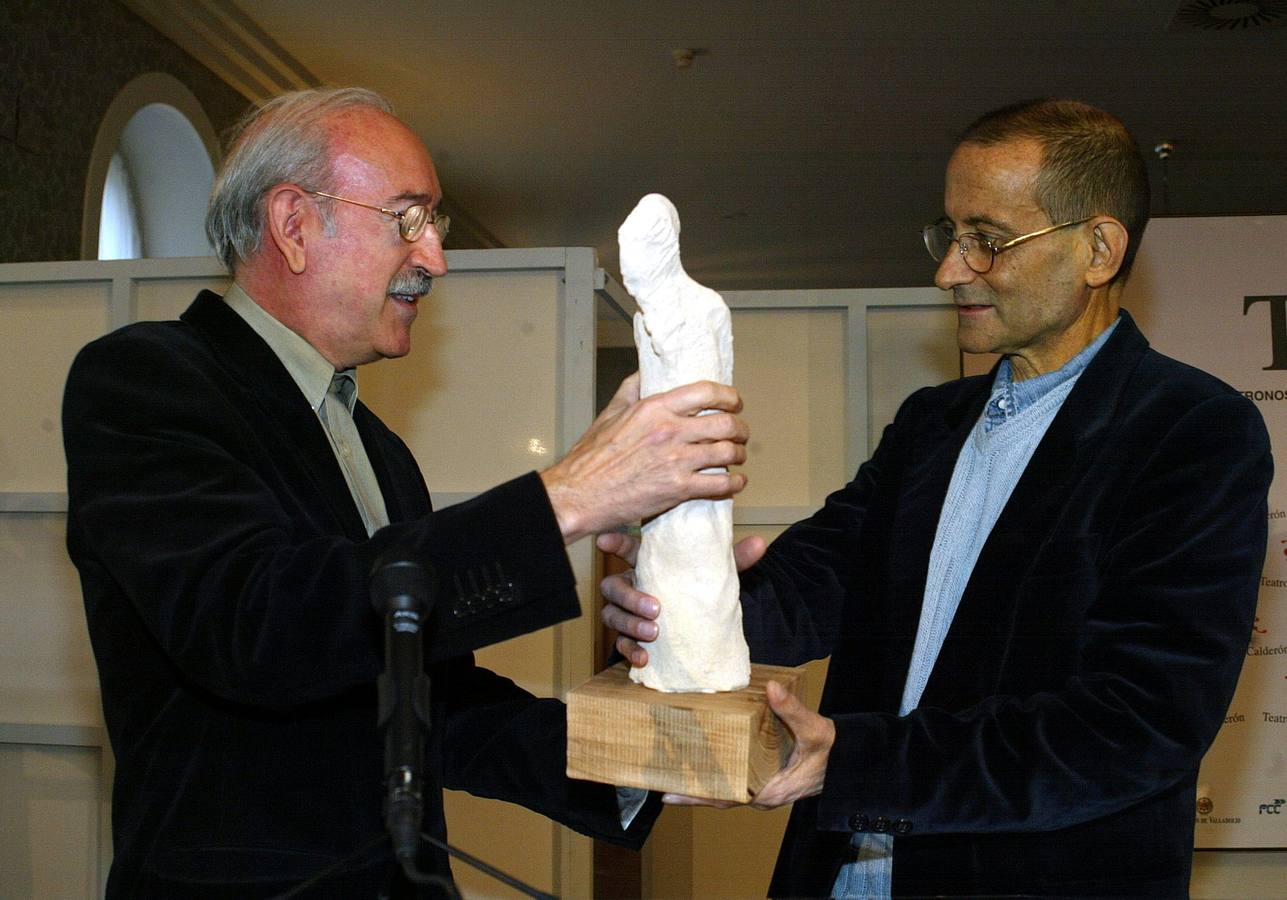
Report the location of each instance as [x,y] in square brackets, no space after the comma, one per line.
[427,254]
[952,269]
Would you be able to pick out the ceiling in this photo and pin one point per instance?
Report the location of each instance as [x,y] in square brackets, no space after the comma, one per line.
[805,143]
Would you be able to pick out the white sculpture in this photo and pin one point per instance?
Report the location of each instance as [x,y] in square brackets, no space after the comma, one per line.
[686,557]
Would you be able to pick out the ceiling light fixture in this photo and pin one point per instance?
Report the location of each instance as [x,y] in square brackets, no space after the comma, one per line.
[684,56]
[1228,15]
[1163,152]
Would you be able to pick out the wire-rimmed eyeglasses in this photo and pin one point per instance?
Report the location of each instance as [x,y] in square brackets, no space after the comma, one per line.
[977,251]
[411,221]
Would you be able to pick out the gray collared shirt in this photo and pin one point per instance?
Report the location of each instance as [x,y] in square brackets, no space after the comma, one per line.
[330,394]
[334,407]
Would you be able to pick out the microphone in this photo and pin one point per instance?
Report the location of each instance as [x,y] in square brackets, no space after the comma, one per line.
[402,591]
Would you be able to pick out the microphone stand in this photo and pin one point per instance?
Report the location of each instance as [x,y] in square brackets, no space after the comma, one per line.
[402,592]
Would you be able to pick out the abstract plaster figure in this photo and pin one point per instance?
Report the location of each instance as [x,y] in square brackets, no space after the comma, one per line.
[686,559]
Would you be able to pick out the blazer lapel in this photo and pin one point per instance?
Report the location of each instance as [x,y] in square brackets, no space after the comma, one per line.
[1042,495]
[931,462]
[261,374]
[1065,451]
[400,481]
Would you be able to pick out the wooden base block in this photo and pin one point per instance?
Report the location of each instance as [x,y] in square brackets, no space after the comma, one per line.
[721,746]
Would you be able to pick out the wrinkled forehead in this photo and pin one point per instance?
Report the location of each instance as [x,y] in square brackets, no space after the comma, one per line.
[374,150]
[989,179]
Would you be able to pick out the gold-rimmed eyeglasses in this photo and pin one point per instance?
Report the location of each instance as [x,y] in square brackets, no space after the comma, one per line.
[411,221]
[977,251]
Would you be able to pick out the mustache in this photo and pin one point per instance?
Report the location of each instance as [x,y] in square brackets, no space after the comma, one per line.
[415,283]
[964,297]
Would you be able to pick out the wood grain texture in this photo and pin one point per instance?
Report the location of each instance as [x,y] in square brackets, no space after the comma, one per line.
[721,746]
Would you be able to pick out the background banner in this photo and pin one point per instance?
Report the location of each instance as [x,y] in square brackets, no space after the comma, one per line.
[1212,292]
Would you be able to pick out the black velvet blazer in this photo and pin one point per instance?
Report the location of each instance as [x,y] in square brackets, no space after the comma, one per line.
[224,568]
[1090,663]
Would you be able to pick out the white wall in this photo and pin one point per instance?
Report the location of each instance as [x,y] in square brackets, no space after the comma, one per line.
[822,371]
[501,382]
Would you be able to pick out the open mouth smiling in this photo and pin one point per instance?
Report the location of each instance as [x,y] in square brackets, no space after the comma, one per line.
[409,287]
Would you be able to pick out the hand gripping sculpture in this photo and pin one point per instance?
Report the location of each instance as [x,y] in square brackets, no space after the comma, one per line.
[686,557]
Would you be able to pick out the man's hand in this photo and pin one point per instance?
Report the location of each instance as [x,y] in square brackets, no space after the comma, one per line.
[630,612]
[805,771]
[642,457]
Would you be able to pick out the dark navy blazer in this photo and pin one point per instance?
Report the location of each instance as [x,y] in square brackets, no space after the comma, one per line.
[1090,663]
[225,574]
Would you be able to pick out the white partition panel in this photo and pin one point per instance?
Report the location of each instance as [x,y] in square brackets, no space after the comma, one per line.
[58,789]
[489,393]
[908,347]
[821,373]
[163,299]
[895,342]
[47,674]
[42,325]
[500,382]
[475,400]
[789,365]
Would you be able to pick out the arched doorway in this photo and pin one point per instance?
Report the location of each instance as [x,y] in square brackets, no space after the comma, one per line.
[149,174]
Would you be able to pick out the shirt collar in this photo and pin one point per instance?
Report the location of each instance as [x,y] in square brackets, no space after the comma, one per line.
[1010,397]
[306,365]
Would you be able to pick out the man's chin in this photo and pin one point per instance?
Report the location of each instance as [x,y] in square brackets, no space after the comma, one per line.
[394,352]
[974,340]
[394,343]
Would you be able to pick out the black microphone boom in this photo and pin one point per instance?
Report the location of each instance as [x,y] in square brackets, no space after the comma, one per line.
[401,591]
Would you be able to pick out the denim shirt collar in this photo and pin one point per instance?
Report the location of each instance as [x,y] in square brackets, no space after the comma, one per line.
[1010,398]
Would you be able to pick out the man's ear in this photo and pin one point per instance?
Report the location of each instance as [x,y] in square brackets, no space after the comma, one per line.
[1108,242]
[287,209]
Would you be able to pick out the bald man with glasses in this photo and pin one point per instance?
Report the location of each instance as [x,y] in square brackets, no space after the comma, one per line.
[1038,592]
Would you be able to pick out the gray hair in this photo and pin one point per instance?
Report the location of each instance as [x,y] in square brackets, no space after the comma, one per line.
[281,140]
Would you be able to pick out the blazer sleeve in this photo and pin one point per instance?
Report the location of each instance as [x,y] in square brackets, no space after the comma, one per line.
[794,599]
[188,499]
[503,744]
[1172,595]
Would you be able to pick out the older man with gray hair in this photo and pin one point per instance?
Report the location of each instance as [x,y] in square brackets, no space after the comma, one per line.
[229,497]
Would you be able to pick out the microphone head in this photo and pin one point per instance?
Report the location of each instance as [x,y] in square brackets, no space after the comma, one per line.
[401,584]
